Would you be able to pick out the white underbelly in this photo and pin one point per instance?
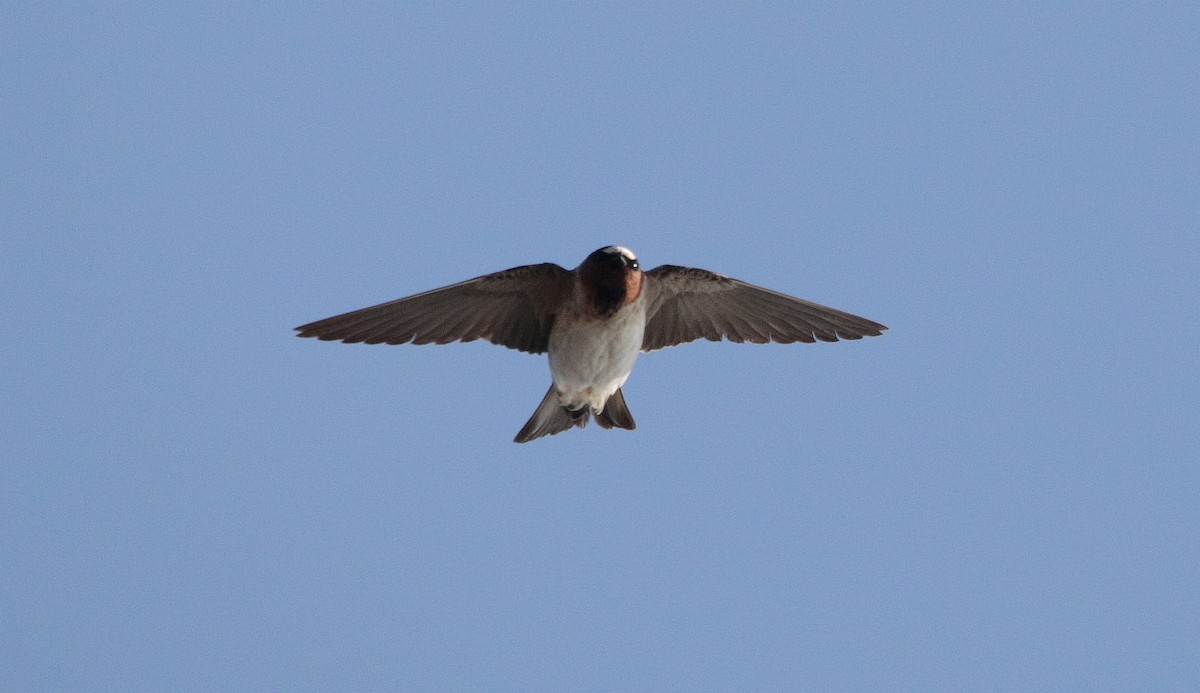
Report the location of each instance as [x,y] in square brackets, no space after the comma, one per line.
[590,359]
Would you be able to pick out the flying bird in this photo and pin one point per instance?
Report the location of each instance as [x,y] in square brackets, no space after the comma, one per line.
[592,322]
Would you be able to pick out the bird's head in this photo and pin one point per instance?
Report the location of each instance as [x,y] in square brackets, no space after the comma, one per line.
[611,277]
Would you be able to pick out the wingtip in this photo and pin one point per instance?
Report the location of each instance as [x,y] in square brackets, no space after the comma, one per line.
[308,329]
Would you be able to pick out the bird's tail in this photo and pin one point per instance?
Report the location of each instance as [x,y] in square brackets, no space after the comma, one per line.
[616,413]
[551,417]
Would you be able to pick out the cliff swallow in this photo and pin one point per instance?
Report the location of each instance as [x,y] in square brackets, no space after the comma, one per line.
[592,322]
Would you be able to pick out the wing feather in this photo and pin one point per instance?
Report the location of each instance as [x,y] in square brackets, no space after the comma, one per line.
[686,304]
[514,308]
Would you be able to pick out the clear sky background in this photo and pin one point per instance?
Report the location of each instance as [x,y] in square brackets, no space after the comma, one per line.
[1000,493]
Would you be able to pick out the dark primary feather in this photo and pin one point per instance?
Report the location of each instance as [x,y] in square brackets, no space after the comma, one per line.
[514,308]
[686,304]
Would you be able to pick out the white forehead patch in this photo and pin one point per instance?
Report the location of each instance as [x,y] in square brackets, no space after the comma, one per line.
[621,250]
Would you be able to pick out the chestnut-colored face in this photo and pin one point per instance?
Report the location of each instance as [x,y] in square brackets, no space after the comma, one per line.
[611,278]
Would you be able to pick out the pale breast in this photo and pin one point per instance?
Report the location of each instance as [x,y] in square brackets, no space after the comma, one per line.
[591,358]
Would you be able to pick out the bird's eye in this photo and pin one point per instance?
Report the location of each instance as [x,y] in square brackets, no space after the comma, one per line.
[633,264]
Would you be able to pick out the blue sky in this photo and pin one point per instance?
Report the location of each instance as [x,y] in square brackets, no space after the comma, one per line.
[1000,493]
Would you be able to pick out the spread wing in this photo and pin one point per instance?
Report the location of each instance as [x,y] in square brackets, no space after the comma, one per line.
[686,304]
[514,308]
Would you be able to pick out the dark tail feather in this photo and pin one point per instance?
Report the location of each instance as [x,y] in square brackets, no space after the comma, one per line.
[550,418]
[616,413]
